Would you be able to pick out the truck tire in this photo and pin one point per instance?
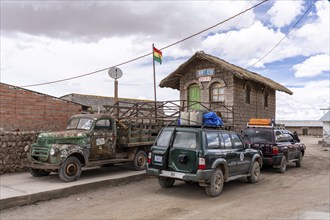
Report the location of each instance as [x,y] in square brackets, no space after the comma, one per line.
[216,183]
[70,169]
[255,173]
[298,162]
[165,182]
[140,160]
[282,167]
[38,172]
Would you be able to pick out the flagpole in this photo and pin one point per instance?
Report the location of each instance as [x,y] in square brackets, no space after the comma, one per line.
[155,96]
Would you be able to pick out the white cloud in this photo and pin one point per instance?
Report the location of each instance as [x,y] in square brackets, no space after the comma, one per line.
[282,13]
[305,103]
[245,45]
[313,66]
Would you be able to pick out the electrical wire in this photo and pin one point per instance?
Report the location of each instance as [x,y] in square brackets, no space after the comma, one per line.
[305,13]
[147,54]
[234,26]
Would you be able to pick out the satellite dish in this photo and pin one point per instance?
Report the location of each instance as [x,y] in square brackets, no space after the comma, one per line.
[115,73]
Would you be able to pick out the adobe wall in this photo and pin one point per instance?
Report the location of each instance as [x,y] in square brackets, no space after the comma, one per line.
[13,158]
[24,110]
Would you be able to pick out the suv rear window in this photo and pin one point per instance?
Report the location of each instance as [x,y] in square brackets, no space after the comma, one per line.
[164,138]
[259,135]
[185,140]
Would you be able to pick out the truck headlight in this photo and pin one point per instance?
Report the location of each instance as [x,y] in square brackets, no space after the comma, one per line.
[54,151]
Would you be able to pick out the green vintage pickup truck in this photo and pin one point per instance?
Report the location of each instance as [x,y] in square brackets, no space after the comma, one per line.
[92,140]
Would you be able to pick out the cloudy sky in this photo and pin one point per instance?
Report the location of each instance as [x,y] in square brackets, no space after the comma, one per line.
[44,41]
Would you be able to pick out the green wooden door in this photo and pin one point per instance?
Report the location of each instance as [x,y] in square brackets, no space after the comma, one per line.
[194,95]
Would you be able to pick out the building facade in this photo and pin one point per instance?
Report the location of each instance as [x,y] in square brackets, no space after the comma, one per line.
[210,83]
[303,127]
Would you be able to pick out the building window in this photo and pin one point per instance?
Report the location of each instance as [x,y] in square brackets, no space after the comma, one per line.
[266,97]
[217,92]
[248,94]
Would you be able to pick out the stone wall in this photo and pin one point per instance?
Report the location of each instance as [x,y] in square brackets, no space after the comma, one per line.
[12,154]
[256,108]
[234,109]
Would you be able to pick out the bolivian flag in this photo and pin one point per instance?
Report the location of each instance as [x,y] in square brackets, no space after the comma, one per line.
[158,56]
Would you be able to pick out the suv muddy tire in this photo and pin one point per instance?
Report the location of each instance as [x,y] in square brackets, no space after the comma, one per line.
[216,183]
[165,182]
[140,160]
[282,167]
[38,173]
[255,173]
[298,162]
[70,170]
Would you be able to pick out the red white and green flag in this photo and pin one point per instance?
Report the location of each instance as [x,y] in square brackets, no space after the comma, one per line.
[158,55]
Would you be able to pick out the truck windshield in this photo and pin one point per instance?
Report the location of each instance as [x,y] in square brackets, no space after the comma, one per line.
[259,135]
[80,124]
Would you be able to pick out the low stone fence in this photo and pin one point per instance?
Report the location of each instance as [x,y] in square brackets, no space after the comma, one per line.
[12,154]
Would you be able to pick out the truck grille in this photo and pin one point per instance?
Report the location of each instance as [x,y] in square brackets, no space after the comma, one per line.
[40,153]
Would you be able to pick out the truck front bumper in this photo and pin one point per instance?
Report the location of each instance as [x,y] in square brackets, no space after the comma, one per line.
[43,166]
[199,176]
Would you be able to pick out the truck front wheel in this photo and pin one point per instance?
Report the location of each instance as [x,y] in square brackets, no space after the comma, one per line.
[38,172]
[70,170]
[140,160]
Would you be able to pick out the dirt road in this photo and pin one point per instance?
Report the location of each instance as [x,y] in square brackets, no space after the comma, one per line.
[276,196]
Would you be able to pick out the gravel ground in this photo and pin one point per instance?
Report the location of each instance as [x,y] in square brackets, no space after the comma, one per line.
[300,193]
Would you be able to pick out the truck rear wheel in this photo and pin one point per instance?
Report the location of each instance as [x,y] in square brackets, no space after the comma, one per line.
[216,183]
[298,162]
[282,167]
[255,173]
[70,170]
[38,172]
[140,160]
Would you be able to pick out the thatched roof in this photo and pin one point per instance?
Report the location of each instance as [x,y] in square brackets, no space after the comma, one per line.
[173,80]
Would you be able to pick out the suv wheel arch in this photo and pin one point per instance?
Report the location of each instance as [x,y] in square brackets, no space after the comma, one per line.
[221,164]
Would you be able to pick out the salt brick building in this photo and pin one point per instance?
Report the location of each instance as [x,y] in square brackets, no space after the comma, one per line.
[236,94]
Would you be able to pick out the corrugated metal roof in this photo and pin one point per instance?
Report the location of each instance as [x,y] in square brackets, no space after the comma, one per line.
[173,80]
[300,123]
[326,117]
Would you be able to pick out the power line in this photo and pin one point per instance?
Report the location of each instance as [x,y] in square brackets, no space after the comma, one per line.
[234,26]
[147,54]
[306,12]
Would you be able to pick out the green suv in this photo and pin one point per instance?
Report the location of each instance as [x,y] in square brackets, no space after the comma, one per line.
[207,156]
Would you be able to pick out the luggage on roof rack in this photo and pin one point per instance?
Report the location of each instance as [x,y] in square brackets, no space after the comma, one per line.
[262,122]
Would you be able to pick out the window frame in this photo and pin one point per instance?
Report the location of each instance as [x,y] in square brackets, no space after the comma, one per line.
[218,86]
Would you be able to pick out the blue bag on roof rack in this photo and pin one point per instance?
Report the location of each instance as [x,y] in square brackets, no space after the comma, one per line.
[212,119]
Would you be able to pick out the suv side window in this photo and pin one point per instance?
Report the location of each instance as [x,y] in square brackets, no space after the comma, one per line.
[212,140]
[227,141]
[237,141]
[185,140]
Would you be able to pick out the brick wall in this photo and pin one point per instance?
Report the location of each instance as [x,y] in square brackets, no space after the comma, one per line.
[25,110]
